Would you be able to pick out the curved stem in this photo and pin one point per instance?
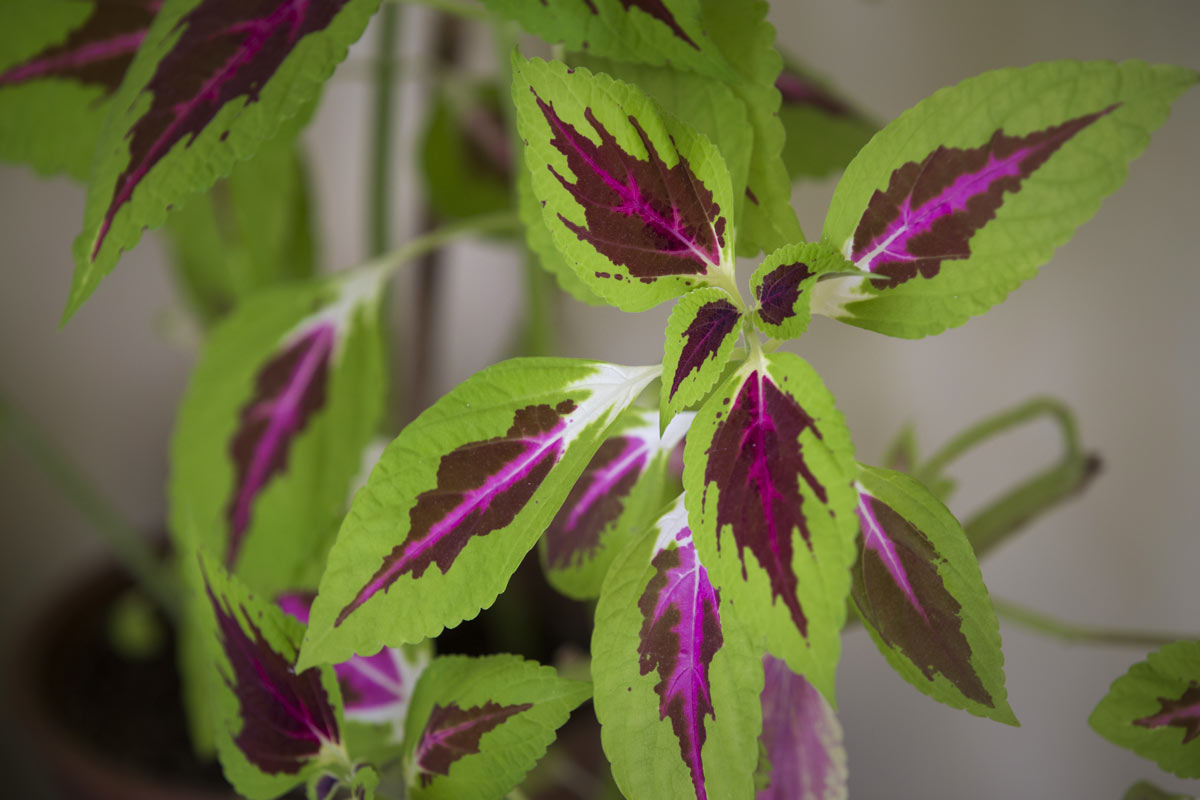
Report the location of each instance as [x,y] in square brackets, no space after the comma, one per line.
[130,547]
[380,180]
[389,262]
[1044,624]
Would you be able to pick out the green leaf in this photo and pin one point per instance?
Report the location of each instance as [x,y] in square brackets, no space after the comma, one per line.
[60,62]
[783,284]
[654,32]
[768,466]
[1154,709]
[677,679]
[205,90]
[824,130]
[919,592]
[701,332]
[765,218]
[251,230]
[541,244]
[1144,790]
[270,435]
[276,727]
[961,198]
[459,498]
[614,500]
[478,725]
[466,153]
[638,203]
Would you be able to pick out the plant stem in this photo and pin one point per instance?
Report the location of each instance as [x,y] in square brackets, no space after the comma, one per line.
[498,222]
[455,7]
[131,548]
[380,180]
[1082,634]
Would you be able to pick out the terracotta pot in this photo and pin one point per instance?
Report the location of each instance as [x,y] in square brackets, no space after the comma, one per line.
[105,727]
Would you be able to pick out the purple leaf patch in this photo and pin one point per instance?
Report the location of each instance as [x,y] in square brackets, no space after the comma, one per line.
[1179,712]
[900,594]
[286,717]
[757,463]
[481,487]
[931,209]
[654,220]
[453,732]
[656,9]
[596,500]
[801,737]
[289,389]
[97,52]
[681,633]
[779,291]
[703,337]
[226,49]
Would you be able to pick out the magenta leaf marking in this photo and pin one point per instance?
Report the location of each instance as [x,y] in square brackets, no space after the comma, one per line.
[374,688]
[481,487]
[286,718]
[712,323]
[779,291]
[288,391]
[797,90]
[801,737]
[931,209]
[1181,712]
[97,52]
[596,501]
[900,594]
[227,49]
[681,633]
[757,463]
[454,732]
[654,220]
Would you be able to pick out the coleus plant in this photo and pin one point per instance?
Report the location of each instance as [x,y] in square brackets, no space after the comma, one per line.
[643,166]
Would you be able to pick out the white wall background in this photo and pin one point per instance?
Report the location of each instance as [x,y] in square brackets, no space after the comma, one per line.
[1110,327]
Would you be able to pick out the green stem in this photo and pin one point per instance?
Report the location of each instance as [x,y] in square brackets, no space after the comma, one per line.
[1082,634]
[455,7]
[132,549]
[379,182]
[498,222]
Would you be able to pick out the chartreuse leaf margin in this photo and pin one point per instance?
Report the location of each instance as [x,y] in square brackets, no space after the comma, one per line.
[476,726]
[1154,709]
[920,594]
[459,498]
[183,116]
[1033,151]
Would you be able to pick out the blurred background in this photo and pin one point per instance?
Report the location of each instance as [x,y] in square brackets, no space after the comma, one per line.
[1110,326]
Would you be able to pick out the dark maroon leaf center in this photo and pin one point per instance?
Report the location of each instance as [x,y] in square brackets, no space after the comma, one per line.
[898,590]
[286,718]
[97,52]
[652,219]
[681,633]
[931,209]
[757,464]
[656,9]
[712,323]
[288,391]
[226,49]
[454,732]
[1180,712]
[481,487]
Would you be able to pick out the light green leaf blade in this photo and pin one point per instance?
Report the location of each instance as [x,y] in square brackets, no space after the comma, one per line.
[701,332]
[768,467]
[541,244]
[920,594]
[638,203]
[824,130]
[270,434]
[459,498]
[478,725]
[616,498]
[1154,709]
[204,91]
[60,62]
[677,679]
[783,283]
[654,32]
[765,218]
[251,230]
[1034,149]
